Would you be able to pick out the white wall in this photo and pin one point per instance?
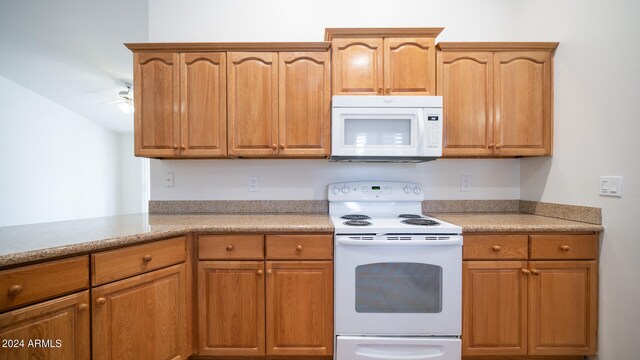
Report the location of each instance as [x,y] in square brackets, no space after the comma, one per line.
[54,164]
[134,178]
[303,20]
[597,122]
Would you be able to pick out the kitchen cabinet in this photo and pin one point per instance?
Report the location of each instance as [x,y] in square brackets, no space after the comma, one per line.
[497,98]
[383,61]
[140,301]
[279,104]
[265,295]
[180,104]
[57,329]
[542,301]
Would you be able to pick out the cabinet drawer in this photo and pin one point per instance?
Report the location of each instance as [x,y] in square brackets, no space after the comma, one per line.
[228,247]
[300,246]
[32,283]
[121,263]
[564,247]
[495,247]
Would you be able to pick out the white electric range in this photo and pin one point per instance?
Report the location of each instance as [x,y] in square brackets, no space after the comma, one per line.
[398,274]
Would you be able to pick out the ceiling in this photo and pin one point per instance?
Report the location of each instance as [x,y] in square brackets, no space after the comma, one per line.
[67,50]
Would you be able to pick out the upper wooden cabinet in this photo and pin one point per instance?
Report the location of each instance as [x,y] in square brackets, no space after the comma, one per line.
[497,98]
[180,104]
[211,100]
[383,61]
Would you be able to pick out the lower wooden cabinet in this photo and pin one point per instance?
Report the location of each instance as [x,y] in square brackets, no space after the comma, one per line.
[143,317]
[539,303]
[261,308]
[299,307]
[57,329]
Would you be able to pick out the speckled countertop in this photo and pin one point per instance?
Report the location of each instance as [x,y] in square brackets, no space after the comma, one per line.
[31,243]
[513,222]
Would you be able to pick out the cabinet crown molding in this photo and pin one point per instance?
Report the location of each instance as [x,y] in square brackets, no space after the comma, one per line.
[229,46]
[331,33]
[497,46]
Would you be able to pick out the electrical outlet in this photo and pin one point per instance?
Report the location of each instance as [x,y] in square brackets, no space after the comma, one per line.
[254,184]
[465,183]
[610,186]
[168,181]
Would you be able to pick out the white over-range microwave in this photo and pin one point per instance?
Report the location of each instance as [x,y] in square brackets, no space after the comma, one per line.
[386,128]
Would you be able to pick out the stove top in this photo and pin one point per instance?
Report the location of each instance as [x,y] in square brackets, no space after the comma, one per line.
[382,207]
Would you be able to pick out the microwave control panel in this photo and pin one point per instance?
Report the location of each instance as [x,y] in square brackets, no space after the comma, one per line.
[434,130]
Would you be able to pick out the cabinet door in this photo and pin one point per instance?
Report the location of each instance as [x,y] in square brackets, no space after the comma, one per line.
[465,82]
[231,308]
[55,330]
[409,66]
[357,66]
[305,104]
[523,103]
[253,104]
[203,112]
[143,317]
[299,307]
[494,308]
[156,116]
[563,310]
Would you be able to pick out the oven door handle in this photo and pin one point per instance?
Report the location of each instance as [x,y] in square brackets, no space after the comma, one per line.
[453,241]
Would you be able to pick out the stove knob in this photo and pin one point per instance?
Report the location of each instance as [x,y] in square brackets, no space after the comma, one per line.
[417,190]
[335,190]
[345,189]
[407,189]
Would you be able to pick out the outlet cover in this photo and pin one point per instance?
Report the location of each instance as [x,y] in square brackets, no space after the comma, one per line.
[254,184]
[465,183]
[168,182]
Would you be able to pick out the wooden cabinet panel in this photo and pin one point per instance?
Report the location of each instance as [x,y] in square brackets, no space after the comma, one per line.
[357,66]
[522,95]
[563,308]
[203,113]
[231,247]
[298,247]
[409,66]
[567,247]
[305,104]
[465,82]
[252,93]
[62,324]
[28,284]
[494,303]
[121,263]
[299,308]
[495,247]
[156,116]
[231,308]
[143,317]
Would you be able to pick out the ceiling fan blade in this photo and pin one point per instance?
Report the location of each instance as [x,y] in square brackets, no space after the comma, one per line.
[110,102]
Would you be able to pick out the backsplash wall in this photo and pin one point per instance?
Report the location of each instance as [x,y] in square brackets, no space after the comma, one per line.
[307,179]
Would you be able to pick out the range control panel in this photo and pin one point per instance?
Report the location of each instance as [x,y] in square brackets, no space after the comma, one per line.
[375,191]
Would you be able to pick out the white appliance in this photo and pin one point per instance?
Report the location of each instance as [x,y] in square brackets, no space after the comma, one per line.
[386,128]
[398,275]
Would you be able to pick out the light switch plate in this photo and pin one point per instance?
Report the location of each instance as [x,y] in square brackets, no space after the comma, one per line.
[610,186]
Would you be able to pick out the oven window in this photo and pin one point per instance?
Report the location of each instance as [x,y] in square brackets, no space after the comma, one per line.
[398,288]
[381,132]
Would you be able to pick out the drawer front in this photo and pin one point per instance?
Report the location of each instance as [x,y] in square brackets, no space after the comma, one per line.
[495,247]
[33,283]
[121,263]
[574,247]
[300,246]
[230,247]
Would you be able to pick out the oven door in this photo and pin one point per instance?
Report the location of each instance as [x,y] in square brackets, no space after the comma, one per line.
[380,132]
[399,288]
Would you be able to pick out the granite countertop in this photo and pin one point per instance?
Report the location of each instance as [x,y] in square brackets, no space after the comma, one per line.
[513,222]
[31,243]
[37,242]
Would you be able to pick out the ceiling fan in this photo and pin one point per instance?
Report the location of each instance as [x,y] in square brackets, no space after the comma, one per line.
[124,99]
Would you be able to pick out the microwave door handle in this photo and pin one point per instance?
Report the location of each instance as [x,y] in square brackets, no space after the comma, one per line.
[421,138]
